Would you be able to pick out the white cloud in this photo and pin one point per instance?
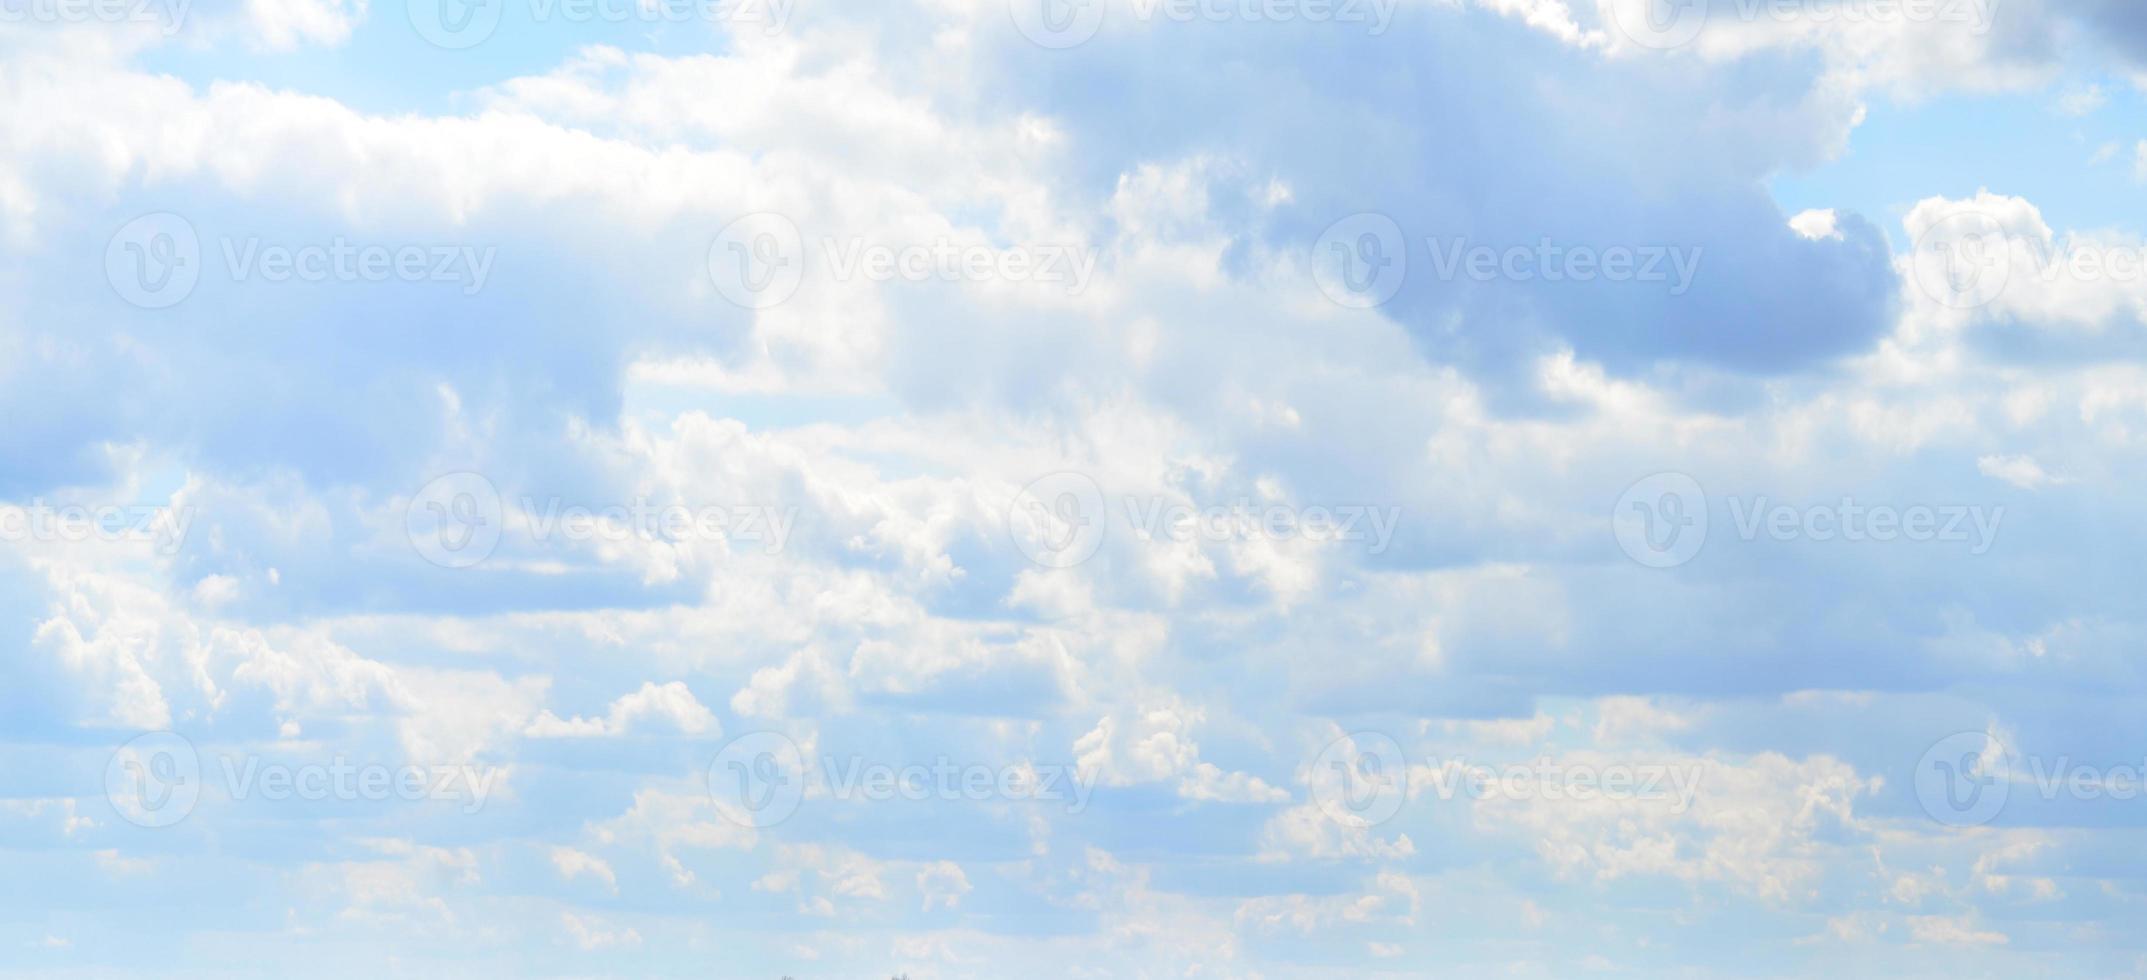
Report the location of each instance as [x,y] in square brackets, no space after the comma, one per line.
[591,933]
[942,883]
[2021,471]
[671,706]
[572,864]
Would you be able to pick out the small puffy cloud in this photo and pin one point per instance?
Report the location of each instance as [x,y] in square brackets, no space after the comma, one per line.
[2021,471]
[670,707]
[942,883]
[1953,931]
[572,864]
[591,934]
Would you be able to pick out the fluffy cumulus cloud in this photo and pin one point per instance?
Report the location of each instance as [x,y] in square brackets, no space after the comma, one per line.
[1000,488]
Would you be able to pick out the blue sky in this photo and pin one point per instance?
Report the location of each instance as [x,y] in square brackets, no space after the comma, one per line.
[976,488]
